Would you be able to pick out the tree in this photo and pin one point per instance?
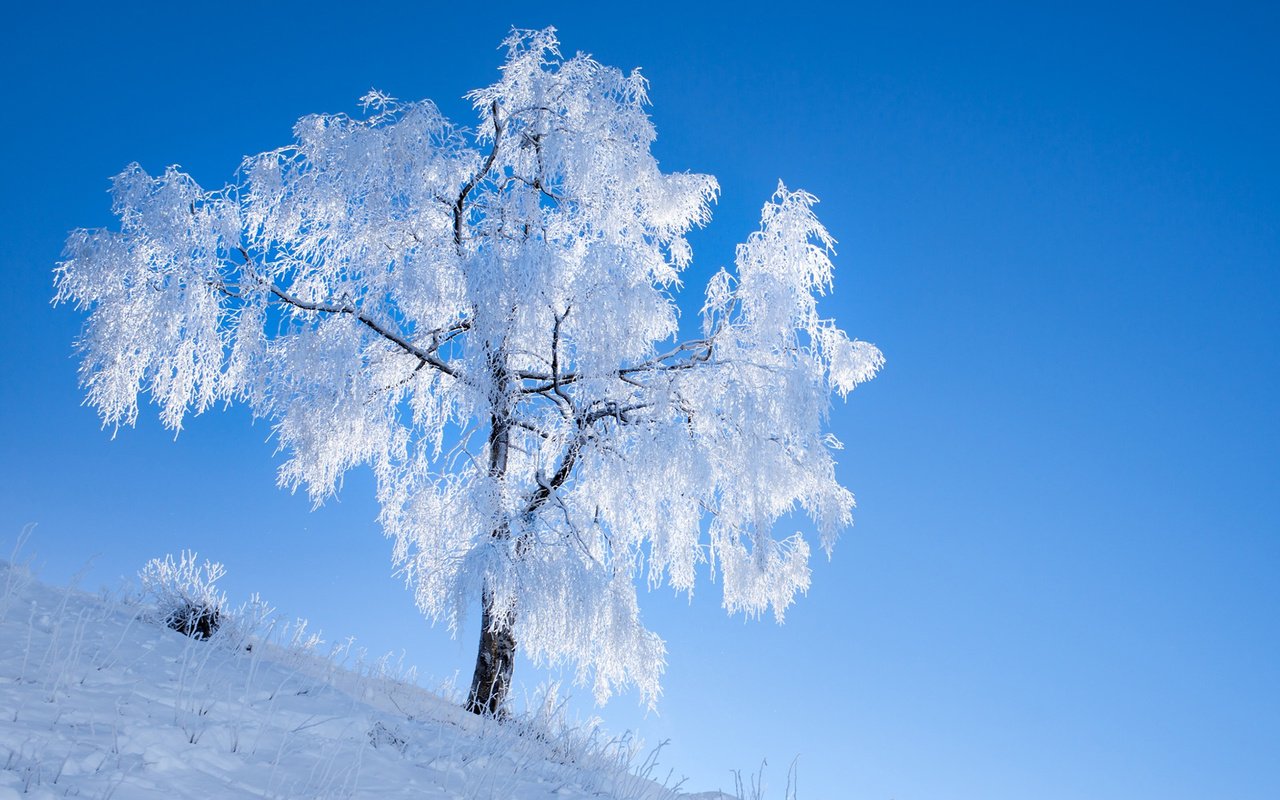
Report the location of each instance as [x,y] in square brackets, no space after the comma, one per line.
[487,319]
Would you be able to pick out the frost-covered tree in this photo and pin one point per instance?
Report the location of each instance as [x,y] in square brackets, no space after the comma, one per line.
[486,317]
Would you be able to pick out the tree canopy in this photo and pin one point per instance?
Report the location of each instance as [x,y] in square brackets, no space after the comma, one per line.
[487,318]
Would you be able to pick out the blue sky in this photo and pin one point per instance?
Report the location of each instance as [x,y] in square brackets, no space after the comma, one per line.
[1060,225]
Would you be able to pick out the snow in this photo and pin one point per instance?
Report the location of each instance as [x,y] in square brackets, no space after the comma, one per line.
[99,699]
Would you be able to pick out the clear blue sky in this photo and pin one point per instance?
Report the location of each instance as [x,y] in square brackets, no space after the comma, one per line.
[1061,226]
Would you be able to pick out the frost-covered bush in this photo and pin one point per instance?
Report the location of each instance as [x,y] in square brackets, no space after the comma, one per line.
[184,594]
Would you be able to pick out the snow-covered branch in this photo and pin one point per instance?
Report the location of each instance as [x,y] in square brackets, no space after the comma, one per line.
[425,356]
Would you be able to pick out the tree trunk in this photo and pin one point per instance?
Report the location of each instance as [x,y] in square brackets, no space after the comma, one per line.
[494,661]
[496,657]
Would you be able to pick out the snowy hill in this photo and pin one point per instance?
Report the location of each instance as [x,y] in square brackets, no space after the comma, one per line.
[99,699]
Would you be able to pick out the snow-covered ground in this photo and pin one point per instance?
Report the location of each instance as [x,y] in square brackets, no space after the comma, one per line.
[99,700]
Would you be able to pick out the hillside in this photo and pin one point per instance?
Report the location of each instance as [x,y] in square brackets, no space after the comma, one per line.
[99,699]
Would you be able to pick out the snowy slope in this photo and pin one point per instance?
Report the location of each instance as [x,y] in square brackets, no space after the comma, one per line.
[97,700]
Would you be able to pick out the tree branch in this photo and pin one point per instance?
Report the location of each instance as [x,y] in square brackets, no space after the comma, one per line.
[427,356]
[529,426]
[555,360]
[703,348]
[546,489]
[460,206]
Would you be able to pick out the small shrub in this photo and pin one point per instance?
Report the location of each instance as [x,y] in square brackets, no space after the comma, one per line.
[382,736]
[185,594]
[198,622]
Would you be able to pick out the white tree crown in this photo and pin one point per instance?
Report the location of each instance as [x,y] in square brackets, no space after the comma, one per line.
[487,319]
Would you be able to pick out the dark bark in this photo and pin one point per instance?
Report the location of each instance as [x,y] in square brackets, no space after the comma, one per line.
[496,657]
[494,662]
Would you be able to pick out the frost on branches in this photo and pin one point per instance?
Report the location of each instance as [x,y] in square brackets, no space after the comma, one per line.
[486,318]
